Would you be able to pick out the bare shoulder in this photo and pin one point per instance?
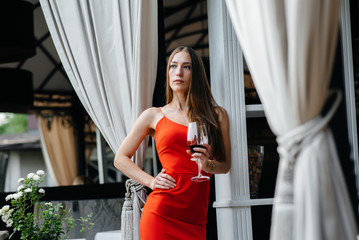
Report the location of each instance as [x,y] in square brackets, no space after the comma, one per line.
[222,114]
[151,112]
[150,117]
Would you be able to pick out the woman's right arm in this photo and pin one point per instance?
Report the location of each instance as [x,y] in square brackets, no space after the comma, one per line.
[142,127]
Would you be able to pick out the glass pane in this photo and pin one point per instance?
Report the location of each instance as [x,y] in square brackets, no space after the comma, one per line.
[263,158]
[261,222]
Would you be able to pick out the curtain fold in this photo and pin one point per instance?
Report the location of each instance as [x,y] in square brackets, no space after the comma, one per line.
[59,147]
[13,167]
[51,176]
[289,47]
[109,52]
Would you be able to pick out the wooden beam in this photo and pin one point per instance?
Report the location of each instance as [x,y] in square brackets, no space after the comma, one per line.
[190,21]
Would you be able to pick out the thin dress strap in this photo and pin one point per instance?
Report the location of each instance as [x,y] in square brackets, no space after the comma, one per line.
[163,116]
[162,111]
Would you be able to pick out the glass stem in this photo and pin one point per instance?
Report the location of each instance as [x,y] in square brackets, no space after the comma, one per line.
[199,166]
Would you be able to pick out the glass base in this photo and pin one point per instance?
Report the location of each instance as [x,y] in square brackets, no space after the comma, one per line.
[200,178]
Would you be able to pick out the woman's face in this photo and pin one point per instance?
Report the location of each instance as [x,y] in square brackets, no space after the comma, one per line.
[180,72]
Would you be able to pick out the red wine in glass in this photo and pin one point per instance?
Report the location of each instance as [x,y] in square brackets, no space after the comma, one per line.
[195,146]
[196,136]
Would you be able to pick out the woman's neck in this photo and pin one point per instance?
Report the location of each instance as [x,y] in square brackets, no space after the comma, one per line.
[178,102]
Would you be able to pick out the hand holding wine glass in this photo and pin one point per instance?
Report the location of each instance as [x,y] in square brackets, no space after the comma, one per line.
[196,137]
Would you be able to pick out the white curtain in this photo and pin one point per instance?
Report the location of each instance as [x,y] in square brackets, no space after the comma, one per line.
[13,167]
[59,146]
[289,47]
[109,52]
[51,177]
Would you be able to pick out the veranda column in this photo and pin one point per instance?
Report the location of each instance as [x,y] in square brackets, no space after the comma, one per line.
[232,189]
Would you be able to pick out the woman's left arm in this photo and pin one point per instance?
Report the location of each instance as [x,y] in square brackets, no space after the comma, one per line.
[214,166]
[209,164]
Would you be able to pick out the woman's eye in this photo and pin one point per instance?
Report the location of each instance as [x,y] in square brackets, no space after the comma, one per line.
[172,66]
[187,67]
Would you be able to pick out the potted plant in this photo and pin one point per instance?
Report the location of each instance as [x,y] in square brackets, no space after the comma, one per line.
[38,220]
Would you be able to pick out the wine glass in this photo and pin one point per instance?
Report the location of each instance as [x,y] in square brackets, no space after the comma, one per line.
[196,136]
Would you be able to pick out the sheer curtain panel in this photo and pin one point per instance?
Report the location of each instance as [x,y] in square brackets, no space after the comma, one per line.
[289,47]
[109,51]
[58,143]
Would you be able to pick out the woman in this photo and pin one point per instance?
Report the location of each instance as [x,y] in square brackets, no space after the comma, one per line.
[177,206]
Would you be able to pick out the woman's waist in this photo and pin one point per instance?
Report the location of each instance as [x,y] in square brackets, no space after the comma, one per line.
[179,165]
[185,186]
[180,171]
[184,169]
[184,202]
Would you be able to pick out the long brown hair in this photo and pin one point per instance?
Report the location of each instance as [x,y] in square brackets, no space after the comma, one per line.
[200,102]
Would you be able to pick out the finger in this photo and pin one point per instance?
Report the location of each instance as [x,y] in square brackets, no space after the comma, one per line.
[164,177]
[195,159]
[201,156]
[161,186]
[202,150]
[168,177]
[169,184]
[209,149]
[206,145]
[166,183]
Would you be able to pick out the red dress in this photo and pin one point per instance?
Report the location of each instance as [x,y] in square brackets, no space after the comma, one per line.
[178,213]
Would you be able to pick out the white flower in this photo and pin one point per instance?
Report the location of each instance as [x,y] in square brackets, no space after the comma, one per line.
[2,212]
[41,190]
[28,190]
[30,175]
[21,180]
[9,223]
[9,197]
[17,195]
[5,207]
[5,217]
[21,187]
[40,172]
[12,196]
[48,204]
[36,177]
